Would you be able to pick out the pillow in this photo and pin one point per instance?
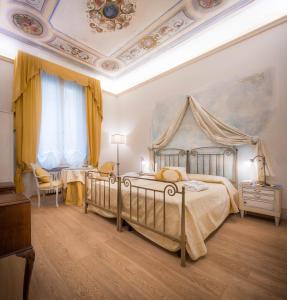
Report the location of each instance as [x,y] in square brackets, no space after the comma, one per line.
[167,174]
[106,168]
[41,172]
[182,171]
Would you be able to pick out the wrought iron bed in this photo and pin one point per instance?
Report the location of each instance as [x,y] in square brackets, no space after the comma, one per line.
[219,161]
[98,191]
[204,160]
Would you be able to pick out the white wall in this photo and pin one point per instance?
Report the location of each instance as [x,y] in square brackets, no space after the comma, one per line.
[6,123]
[264,51]
[110,126]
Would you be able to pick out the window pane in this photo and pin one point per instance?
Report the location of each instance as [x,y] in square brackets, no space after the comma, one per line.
[75,130]
[50,153]
[63,132]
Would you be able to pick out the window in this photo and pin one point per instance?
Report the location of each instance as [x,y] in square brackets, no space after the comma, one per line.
[63,132]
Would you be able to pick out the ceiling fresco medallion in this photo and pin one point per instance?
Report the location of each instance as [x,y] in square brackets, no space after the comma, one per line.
[209,3]
[161,34]
[148,42]
[110,15]
[72,50]
[110,65]
[27,24]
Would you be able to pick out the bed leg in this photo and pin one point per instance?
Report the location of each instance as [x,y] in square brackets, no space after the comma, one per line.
[120,224]
[183,256]
[183,237]
[129,227]
[119,205]
[86,195]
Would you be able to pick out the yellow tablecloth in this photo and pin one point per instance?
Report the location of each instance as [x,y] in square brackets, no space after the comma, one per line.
[74,184]
[75,193]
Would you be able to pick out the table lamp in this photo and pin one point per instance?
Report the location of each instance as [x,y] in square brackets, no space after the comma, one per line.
[118,139]
[261,158]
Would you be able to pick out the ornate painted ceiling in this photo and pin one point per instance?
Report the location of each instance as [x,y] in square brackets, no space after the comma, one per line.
[111,36]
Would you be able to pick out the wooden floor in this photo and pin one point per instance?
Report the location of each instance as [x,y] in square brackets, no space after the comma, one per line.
[82,256]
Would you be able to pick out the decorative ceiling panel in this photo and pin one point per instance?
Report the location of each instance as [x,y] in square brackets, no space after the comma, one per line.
[106,43]
[36,4]
[158,36]
[111,36]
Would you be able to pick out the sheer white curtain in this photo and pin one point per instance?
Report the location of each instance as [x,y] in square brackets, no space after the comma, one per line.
[63,133]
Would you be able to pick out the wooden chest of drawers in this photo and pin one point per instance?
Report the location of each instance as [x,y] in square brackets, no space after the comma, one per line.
[15,232]
[260,199]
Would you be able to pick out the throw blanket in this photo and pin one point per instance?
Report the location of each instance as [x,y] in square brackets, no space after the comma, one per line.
[195,186]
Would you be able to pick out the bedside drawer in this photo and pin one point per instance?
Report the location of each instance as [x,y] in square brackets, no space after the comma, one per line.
[258,196]
[257,191]
[259,204]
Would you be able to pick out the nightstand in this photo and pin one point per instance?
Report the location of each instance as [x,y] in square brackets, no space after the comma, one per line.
[264,200]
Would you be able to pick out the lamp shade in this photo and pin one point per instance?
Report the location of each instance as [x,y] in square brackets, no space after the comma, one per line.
[118,139]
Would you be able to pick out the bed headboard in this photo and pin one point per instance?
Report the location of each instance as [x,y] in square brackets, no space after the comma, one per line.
[220,161]
[171,157]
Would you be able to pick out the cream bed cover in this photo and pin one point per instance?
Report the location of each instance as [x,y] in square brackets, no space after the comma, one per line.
[205,211]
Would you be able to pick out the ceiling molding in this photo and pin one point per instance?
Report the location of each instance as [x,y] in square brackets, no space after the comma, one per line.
[208,31]
[156,27]
[239,40]
[7,59]
[234,42]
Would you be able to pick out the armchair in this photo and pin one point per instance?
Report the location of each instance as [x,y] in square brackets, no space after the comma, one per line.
[45,183]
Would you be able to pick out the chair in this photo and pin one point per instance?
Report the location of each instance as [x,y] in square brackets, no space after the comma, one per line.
[48,185]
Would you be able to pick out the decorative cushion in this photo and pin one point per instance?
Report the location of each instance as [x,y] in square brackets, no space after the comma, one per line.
[52,184]
[41,172]
[106,168]
[167,174]
[182,171]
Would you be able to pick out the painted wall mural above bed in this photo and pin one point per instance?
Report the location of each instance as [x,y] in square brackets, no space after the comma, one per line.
[251,95]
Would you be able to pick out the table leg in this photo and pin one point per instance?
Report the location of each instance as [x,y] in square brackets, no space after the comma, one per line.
[29,256]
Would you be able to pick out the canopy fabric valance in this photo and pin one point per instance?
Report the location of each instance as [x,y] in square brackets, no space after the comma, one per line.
[27,108]
[216,130]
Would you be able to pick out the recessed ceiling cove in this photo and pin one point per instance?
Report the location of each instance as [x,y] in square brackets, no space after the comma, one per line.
[111,36]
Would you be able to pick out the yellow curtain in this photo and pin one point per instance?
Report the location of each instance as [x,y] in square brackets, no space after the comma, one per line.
[94,123]
[27,109]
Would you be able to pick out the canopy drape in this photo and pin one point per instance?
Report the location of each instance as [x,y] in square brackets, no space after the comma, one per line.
[27,109]
[216,130]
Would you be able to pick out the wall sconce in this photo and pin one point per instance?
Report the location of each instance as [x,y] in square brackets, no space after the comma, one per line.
[261,158]
[118,139]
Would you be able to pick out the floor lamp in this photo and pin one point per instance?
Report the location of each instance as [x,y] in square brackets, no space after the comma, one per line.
[118,139]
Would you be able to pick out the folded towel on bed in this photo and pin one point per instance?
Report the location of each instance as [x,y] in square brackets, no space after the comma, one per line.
[195,186]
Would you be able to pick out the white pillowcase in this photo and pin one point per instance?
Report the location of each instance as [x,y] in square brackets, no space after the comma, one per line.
[182,172]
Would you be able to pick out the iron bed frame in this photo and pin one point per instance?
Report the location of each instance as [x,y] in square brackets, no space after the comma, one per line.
[204,160]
